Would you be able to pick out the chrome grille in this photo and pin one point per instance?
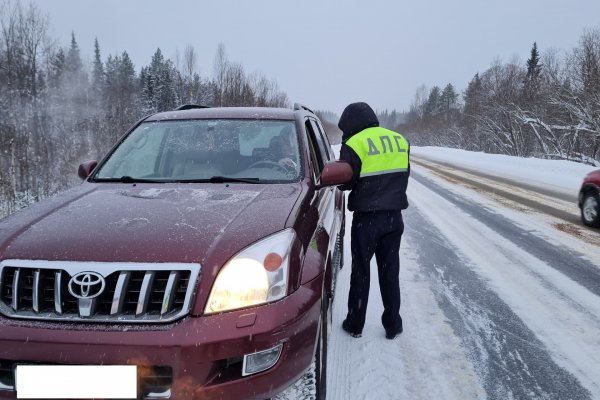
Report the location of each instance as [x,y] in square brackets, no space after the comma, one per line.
[133,292]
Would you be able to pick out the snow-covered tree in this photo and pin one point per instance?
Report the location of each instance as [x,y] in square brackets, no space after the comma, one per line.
[158,85]
[57,111]
[448,98]
[433,106]
[97,72]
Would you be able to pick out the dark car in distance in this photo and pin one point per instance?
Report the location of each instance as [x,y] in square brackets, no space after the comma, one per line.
[589,199]
[202,250]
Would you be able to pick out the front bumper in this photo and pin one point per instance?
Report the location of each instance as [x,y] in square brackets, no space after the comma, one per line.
[202,354]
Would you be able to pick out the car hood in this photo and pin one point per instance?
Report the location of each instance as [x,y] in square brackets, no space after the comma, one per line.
[147,223]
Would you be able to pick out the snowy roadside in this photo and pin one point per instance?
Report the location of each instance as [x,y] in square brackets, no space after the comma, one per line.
[559,174]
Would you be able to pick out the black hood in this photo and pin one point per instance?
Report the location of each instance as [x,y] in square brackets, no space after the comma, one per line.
[355,118]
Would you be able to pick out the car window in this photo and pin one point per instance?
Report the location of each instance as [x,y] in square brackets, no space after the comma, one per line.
[267,150]
[323,148]
[325,139]
[316,155]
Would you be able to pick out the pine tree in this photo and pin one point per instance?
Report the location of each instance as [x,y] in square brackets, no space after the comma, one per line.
[75,81]
[146,90]
[473,96]
[98,76]
[152,83]
[448,98]
[531,85]
[158,85]
[97,102]
[433,105]
[74,64]
[127,74]
[111,84]
[56,69]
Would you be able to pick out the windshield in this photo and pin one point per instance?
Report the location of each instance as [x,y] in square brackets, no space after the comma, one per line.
[206,150]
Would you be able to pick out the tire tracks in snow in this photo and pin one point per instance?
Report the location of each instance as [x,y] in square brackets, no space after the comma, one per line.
[518,195]
[570,263]
[446,167]
[530,330]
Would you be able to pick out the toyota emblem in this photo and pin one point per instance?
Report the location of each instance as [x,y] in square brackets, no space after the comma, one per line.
[86,285]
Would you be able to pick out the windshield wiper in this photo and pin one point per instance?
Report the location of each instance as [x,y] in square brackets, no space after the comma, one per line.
[220,179]
[129,179]
[213,179]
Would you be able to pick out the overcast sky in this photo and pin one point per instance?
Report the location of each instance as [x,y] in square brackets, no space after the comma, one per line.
[327,54]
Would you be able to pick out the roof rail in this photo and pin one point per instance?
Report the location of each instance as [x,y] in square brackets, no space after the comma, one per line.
[190,107]
[298,106]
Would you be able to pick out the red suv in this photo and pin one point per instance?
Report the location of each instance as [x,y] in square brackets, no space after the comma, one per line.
[589,199]
[202,251]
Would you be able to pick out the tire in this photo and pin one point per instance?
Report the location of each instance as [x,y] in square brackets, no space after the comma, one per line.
[590,209]
[338,254]
[341,242]
[337,261]
[336,266]
[321,353]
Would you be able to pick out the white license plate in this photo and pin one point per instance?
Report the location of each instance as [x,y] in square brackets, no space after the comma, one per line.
[76,381]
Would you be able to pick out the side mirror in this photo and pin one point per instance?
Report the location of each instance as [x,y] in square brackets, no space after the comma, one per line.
[86,168]
[335,173]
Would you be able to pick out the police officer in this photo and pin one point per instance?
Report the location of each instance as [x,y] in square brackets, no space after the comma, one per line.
[380,164]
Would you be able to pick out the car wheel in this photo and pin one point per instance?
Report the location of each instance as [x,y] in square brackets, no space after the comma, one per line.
[590,209]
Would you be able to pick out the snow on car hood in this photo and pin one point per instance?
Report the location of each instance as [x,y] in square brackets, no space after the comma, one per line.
[147,223]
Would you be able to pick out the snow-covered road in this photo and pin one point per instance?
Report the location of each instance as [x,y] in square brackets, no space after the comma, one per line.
[499,299]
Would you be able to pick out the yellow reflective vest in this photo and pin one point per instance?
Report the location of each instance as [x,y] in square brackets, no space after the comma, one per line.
[380,150]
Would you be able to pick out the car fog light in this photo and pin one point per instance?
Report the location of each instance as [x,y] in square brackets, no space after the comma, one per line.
[260,361]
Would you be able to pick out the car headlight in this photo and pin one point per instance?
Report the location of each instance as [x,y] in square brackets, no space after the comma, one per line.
[256,275]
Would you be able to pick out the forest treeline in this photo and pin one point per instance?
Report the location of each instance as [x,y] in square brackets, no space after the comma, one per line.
[548,106]
[57,110]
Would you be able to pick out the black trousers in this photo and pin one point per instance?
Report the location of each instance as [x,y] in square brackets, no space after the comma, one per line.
[378,233]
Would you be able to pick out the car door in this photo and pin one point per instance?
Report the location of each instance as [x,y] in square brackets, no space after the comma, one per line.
[324,200]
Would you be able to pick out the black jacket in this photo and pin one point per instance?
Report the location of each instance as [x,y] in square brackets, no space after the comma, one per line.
[371,193]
